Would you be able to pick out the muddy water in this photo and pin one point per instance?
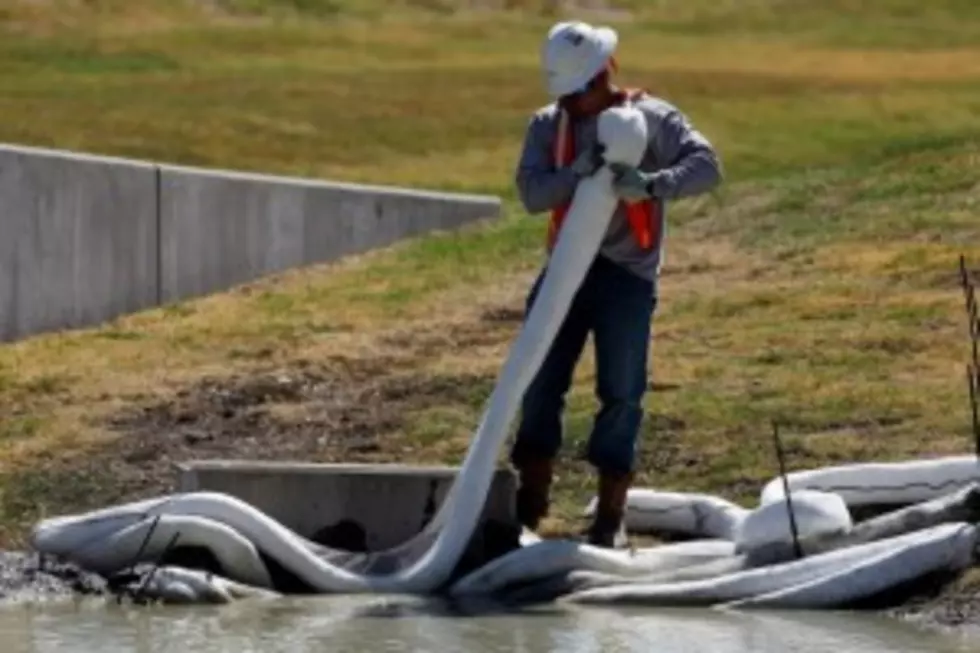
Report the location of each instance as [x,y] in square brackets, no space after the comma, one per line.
[397,625]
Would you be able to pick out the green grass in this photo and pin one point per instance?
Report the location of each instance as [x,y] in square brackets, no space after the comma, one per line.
[818,285]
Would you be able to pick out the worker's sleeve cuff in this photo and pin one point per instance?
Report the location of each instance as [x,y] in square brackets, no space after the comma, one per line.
[652,185]
[661,184]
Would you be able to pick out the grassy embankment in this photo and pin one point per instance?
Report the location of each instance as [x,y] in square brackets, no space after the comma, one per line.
[819,285]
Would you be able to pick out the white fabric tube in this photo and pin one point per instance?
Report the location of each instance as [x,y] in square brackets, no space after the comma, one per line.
[814,513]
[131,546]
[681,513]
[740,585]
[883,483]
[178,585]
[948,547]
[552,557]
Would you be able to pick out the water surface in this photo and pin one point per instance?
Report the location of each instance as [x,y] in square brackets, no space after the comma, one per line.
[403,625]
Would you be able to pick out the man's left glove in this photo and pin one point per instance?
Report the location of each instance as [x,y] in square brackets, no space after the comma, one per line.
[632,184]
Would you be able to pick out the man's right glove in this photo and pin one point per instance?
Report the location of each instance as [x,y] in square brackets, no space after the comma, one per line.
[588,161]
[632,184]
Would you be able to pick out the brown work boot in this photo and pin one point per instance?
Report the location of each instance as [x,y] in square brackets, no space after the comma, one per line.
[533,491]
[607,528]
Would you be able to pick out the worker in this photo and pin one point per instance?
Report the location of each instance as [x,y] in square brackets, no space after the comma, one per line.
[619,295]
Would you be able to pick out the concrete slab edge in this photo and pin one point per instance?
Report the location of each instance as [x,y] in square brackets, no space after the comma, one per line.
[301,467]
[492,202]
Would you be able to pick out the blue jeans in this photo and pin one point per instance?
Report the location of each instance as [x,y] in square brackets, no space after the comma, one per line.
[617,307]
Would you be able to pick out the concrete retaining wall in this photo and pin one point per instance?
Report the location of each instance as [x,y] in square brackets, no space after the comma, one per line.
[84,239]
[259,224]
[78,240]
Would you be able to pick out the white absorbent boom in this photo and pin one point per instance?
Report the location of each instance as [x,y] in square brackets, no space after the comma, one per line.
[711,569]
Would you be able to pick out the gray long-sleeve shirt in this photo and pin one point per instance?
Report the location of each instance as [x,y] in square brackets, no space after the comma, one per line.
[688,162]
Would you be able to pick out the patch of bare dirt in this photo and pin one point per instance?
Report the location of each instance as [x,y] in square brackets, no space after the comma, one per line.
[343,409]
[495,325]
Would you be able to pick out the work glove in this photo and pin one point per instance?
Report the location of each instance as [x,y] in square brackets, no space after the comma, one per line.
[588,161]
[632,184]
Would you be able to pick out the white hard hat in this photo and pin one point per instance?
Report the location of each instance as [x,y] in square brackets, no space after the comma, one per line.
[574,53]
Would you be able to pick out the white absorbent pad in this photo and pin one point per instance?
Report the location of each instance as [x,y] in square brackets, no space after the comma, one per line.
[679,513]
[191,586]
[552,557]
[814,514]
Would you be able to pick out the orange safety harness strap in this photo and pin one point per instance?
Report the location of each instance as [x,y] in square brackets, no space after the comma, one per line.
[644,217]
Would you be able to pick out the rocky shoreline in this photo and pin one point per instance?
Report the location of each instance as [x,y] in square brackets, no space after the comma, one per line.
[26,578]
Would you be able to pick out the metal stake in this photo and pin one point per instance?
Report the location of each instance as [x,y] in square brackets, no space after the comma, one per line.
[789,499]
[973,380]
[973,368]
[141,588]
[973,321]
